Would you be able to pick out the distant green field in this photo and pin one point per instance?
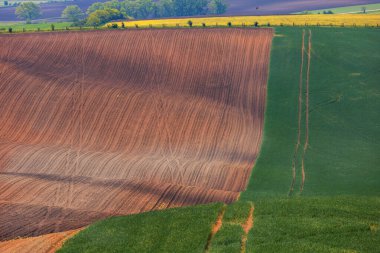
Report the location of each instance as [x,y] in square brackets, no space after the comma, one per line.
[370,8]
[18,27]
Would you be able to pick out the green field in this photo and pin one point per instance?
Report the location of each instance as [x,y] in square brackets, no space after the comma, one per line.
[19,27]
[344,115]
[370,8]
[338,209]
[174,230]
[316,224]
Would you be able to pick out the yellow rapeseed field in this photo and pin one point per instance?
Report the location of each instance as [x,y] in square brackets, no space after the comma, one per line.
[286,20]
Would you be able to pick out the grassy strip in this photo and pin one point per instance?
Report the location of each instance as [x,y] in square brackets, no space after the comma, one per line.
[173,230]
[316,224]
[20,27]
[272,173]
[286,20]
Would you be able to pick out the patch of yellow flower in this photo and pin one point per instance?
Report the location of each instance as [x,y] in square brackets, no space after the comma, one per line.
[277,20]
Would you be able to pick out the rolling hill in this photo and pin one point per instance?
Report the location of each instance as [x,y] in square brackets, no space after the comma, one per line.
[107,123]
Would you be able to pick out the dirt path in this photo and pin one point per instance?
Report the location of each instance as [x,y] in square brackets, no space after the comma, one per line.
[247,226]
[294,162]
[215,228]
[306,145]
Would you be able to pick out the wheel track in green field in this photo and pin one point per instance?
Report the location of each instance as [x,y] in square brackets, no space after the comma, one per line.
[306,114]
[306,120]
[294,162]
[215,228]
[247,226]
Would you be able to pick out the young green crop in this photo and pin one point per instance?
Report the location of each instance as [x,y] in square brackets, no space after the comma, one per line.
[173,230]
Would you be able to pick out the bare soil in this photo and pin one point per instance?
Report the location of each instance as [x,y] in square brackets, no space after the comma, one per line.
[102,123]
[48,243]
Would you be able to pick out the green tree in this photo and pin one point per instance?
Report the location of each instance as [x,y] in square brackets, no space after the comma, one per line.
[138,8]
[93,19]
[190,7]
[99,17]
[217,7]
[73,13]
[114,4]
[94,7]
[28,11]
[165,8]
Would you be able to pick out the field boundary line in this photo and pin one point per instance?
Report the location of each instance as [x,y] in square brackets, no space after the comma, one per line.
[306,114]
[57,245]
[294,162]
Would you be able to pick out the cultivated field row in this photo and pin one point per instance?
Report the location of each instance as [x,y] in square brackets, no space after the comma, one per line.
[104,123]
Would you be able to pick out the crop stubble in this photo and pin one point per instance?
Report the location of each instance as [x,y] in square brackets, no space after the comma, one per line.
[101,123]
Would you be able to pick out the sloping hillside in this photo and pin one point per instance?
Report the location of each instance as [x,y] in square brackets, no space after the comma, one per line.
[104,123]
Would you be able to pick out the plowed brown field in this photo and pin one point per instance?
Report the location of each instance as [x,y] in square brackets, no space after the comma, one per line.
[103,123]
[45,243]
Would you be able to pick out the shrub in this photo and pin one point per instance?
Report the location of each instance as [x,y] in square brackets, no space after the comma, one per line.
[229,24]
[190,23]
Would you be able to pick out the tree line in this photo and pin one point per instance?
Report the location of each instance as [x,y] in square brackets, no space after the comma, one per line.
[101,12]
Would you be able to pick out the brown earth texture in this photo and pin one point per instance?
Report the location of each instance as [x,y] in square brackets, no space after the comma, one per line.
[104,123]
